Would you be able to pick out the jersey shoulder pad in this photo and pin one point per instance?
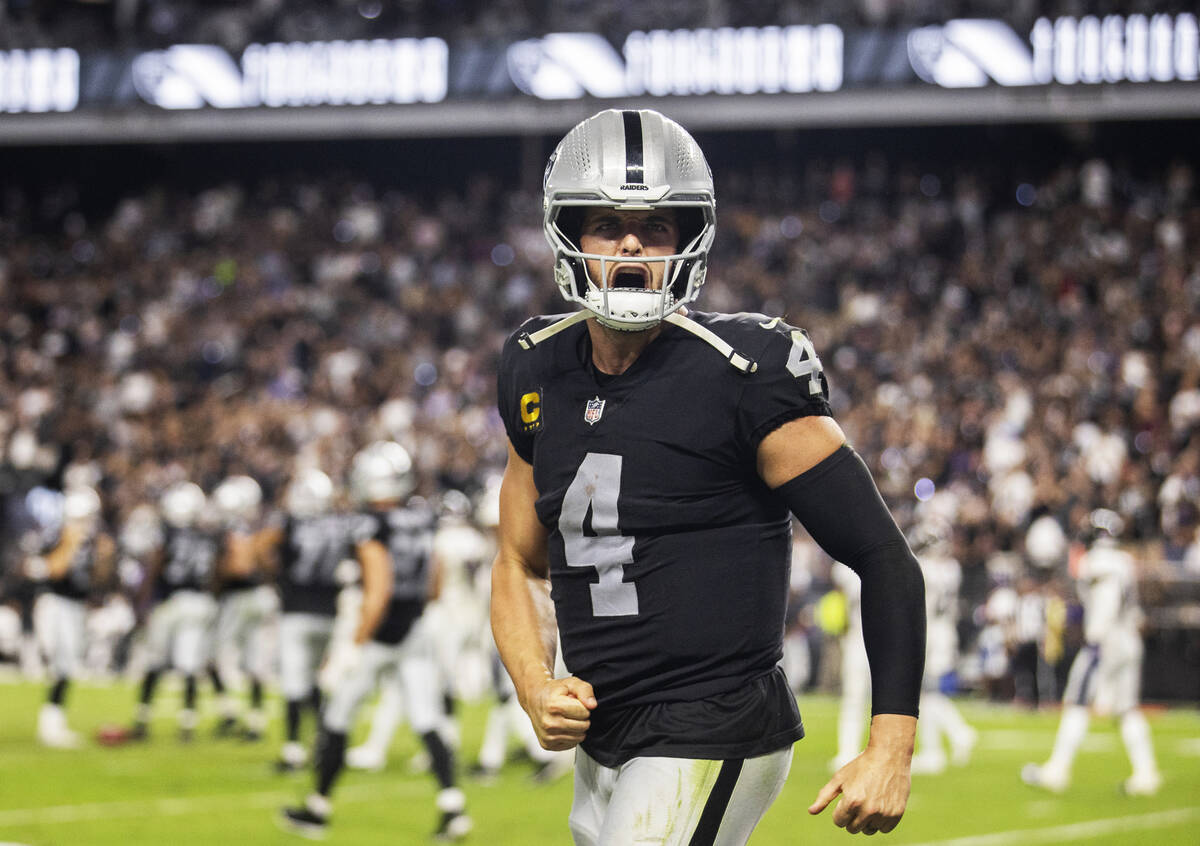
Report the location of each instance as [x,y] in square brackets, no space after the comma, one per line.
[777,347]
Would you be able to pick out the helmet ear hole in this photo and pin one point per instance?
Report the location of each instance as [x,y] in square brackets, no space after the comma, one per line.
[691,224]
[570,223]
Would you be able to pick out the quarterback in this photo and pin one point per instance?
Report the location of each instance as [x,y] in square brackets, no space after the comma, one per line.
[654,457]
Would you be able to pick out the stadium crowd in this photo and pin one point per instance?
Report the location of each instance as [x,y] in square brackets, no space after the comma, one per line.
[1009,353]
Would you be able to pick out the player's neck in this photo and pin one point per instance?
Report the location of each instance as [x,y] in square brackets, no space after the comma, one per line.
[614,351]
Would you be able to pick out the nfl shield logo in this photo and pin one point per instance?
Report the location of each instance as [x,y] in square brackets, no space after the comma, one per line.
[595,408]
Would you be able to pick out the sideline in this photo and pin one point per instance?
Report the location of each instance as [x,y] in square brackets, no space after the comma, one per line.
[193,804]
[1080,830]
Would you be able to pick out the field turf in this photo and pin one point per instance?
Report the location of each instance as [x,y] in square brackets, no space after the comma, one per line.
[225,792]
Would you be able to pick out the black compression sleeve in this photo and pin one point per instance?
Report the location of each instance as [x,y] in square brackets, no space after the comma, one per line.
[838,503]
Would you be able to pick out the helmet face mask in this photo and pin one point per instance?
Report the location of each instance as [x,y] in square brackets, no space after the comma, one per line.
[631,161]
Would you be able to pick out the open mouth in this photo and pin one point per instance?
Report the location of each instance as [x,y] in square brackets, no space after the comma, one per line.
[631,276]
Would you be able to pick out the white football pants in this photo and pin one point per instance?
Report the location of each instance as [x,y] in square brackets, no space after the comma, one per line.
[674,801]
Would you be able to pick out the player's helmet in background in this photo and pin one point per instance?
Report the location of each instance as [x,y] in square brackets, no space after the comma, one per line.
[380,472]
[237,500]
[141,533]
[455,505]
[81,505]
[309,494]
[183,505]
[632,160]
[1103,526]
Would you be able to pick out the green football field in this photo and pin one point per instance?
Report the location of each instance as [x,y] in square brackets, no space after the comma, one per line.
[225,792]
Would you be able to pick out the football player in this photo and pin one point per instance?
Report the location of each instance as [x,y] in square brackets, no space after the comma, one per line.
[653,458]
[855,675]
[246,604]
[311,543]
[394,547]
[180,583]
[76,568]
[1107,672]
[448,622]
[940,717]
[506,718]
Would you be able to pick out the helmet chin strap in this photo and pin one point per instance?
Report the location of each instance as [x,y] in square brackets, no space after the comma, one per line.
[738,361]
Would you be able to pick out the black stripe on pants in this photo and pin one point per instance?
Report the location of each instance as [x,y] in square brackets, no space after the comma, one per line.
[718,801]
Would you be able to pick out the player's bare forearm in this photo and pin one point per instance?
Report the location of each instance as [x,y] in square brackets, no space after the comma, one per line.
[523,621]
[525,637]
[377,588]
[894,734]
[58,560]
[874,787]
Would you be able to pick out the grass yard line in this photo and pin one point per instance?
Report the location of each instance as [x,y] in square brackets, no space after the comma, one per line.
[1074,831]
[1097,740]
[193,804]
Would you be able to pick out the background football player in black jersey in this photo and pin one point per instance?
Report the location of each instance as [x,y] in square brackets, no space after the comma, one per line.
[394,545]
[76,568]
[179,581]
[311,543]
[653,461]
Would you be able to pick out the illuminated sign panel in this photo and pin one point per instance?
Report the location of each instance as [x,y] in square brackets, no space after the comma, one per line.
[767,60]
[682,62]
[334,73]
[1067,51]
[963,53]
[39,80]
[1090,50]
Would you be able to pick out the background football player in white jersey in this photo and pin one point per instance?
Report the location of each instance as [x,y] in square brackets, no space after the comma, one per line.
[856,671]
[394,546]
[247,607]
[940,717]
[180,580]
[75,568]
[506,718]
[1107,671]
[310,542]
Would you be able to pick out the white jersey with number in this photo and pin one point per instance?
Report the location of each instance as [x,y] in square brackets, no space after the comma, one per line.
[1107,586]
[1107,671]
[943,577]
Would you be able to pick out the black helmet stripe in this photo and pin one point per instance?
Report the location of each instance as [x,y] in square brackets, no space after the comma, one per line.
[634,169]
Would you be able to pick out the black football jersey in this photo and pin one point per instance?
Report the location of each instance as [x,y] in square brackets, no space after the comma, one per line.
[407,534]
[311,552]
[669,556]
[190,559]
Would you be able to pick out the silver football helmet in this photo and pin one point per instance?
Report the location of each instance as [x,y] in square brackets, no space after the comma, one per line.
[237,500]
[1105,525]
[183,505]
[629,160]
[309,494]
[81,505]
[381,471]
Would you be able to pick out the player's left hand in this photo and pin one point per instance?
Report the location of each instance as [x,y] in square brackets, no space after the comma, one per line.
[874,786]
